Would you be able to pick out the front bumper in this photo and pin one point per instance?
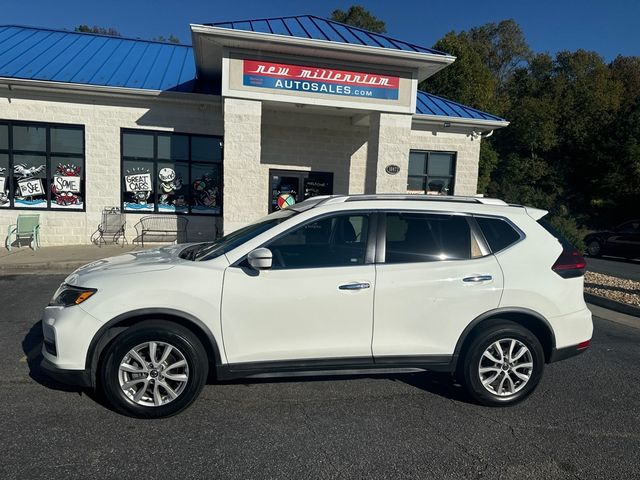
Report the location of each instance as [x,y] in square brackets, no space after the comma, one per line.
[78,378]
[67,333]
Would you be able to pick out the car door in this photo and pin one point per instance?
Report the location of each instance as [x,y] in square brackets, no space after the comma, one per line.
[433,277]
[315,303]
[625,240]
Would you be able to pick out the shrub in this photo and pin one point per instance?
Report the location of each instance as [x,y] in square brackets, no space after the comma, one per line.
[569,228]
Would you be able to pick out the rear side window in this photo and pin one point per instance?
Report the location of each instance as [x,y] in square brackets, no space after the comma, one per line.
[418,237]
[498,233]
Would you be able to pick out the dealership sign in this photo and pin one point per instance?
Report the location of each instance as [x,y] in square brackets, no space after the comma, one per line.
[281,76]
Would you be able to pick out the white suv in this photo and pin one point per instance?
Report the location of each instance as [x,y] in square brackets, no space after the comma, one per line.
[471,286]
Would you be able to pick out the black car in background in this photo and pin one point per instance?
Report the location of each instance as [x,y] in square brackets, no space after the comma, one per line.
[621,241]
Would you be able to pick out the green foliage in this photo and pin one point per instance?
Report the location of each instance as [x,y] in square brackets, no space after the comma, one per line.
[112,32]
[573,145]
[568,227]
[171,39]
[468,80]
[95,29]
[358,16]
[488,163]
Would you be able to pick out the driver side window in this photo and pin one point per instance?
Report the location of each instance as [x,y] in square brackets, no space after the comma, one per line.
[334,241]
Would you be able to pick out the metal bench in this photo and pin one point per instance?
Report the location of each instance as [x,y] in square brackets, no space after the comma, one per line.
[27,226]
[161,226]
[112,227]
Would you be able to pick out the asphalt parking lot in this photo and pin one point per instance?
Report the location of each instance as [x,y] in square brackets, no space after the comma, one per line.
[583,421]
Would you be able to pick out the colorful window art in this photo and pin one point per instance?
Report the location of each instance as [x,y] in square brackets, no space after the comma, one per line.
[171,173]
[41,166]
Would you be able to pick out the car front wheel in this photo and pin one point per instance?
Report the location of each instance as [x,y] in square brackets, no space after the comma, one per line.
[503,364]
[153,369]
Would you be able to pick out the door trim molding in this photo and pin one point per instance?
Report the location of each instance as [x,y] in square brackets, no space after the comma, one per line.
[315,365]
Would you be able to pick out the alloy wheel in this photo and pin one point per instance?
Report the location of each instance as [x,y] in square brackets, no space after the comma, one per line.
[505,367]
[153,373]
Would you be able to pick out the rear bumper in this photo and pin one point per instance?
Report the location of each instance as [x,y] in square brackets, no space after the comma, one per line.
[567,352]
[78,378]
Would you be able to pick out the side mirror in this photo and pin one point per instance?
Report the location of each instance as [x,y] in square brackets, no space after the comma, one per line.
[260,259]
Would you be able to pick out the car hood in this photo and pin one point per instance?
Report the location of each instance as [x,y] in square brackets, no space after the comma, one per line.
[155,259]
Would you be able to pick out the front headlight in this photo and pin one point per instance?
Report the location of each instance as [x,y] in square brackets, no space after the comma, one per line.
[67,295]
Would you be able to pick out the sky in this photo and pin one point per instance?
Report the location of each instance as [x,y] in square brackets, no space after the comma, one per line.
[610,27]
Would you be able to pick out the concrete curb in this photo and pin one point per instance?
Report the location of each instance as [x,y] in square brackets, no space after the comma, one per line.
[42,267]
[612,305]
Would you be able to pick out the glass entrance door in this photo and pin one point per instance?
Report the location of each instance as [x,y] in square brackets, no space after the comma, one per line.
[288,187]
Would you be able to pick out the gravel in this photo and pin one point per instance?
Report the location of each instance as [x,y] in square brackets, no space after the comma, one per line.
[613,288]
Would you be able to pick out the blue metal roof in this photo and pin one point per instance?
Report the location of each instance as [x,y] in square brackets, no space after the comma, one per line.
[316,28]
[91,59]
[429,104]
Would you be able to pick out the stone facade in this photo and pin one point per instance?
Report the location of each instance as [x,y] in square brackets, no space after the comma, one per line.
[257,138]
[466,146]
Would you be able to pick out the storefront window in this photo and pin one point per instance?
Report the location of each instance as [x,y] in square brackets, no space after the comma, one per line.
[41,166]
[431,173]
[171,173]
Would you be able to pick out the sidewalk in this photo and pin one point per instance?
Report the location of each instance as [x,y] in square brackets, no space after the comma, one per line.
[57,259]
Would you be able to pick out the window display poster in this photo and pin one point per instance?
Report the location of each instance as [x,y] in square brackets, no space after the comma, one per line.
[140,182]
[30,187]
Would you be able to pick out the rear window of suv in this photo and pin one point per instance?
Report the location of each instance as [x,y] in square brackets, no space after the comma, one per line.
[498,233]
[552,230]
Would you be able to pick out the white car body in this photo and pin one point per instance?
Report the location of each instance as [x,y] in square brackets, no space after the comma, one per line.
[412,314]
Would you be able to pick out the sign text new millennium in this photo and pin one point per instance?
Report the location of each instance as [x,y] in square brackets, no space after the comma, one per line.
[280,76]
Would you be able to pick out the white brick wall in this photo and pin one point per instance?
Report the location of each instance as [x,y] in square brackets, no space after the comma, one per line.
[242,193]
[102,124]
[467,157]
[390,141]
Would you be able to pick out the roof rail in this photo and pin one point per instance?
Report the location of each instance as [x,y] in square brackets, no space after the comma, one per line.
[425,198]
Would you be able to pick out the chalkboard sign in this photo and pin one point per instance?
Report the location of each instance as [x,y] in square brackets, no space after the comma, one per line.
[318,184]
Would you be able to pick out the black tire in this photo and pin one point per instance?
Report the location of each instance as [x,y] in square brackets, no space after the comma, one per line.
[594,248]
[180,339]
[469,373]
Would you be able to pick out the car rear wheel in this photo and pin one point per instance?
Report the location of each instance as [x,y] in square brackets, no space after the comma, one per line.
[594,248]
[503,364]
[153,369]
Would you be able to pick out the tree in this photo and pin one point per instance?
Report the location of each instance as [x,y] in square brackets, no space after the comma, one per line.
[468,80]
[172,39]
[95,29]
[358,16]
[502,47]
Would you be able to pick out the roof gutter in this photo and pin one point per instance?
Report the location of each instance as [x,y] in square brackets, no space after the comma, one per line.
[111,92]
[443,121]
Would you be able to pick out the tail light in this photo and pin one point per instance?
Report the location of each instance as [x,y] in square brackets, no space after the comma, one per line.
[570,263]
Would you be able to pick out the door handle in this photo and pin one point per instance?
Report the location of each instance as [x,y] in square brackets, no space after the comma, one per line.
[477,278]
[354,286]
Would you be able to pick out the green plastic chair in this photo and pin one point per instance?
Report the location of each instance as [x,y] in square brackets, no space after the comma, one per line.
[27,226]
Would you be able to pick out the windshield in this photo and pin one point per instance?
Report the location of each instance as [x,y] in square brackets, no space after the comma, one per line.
[224,244]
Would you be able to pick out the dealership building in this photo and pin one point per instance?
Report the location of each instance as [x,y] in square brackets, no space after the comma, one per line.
[255,116]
